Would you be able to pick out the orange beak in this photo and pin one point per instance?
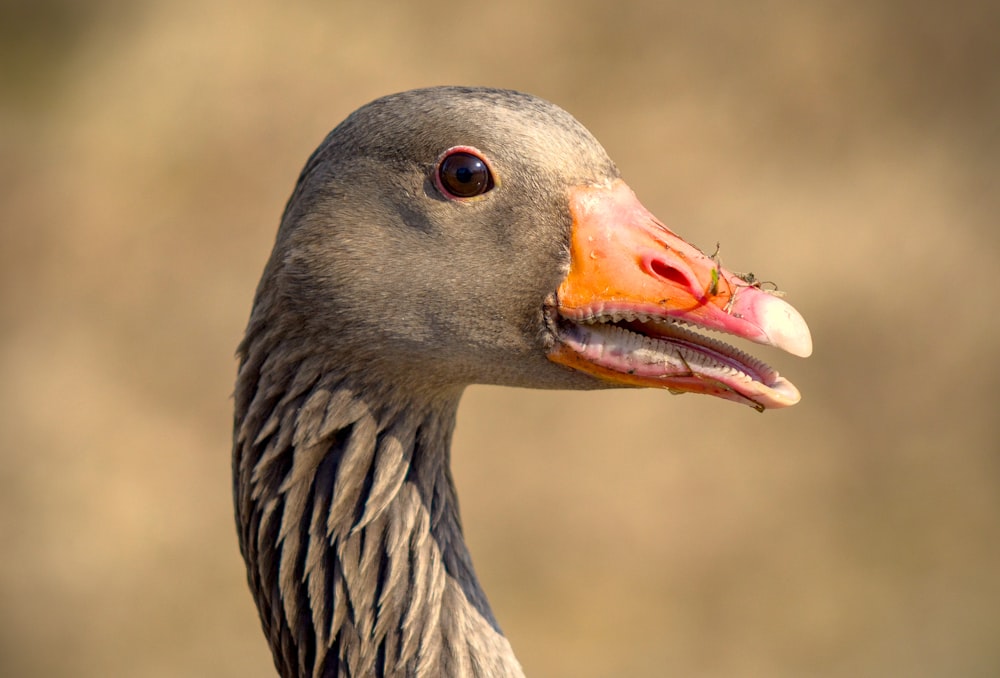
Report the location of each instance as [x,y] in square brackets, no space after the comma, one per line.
[636,294]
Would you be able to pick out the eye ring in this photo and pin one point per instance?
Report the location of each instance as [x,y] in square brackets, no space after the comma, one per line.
[463,173]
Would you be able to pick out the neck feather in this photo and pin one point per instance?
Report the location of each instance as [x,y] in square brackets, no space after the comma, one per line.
[348,523]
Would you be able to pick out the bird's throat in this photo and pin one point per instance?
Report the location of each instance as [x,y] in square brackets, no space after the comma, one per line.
[349,527]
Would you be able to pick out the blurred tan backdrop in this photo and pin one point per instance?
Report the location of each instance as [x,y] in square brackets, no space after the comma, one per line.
[848,150]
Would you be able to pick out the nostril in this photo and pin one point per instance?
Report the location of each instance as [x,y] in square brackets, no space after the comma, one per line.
[667,272]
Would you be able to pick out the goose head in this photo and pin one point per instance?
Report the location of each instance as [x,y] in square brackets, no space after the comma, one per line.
[449,236]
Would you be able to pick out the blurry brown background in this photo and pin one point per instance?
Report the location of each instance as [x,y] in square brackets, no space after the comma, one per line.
[848,150]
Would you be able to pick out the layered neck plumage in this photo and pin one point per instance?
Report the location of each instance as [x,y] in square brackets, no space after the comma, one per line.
[348,522]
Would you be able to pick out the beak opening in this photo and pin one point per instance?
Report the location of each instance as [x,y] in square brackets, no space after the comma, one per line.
[637,298]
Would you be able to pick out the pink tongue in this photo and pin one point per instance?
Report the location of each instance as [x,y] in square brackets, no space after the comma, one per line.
[704,345]
[724,359]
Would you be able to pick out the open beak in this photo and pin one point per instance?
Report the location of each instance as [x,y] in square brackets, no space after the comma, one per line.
[636,298]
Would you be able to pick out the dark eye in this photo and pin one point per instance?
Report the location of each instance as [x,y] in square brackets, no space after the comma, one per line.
[464,174]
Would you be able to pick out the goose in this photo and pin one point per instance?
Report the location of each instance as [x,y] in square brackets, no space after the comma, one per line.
[439,238]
